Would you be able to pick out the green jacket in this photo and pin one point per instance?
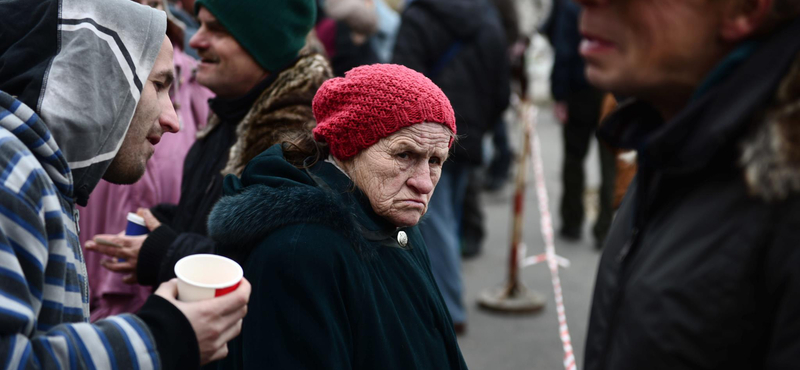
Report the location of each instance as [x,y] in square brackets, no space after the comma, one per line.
[332,287]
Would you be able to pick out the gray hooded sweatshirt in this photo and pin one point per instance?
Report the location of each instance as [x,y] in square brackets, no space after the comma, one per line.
[71,75]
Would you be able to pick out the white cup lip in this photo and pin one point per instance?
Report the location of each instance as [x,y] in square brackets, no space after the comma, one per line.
[227,284]
[139,220]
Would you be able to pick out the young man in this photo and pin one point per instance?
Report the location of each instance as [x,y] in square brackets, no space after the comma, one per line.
[84,95]
[700,269]
[108,210]
[252,57]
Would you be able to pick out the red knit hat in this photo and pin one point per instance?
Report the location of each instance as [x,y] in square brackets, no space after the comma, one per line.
[373,102]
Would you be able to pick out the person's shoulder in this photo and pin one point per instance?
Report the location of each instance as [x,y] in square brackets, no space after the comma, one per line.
[308,242]
[421,14]
[293,84]
[788,214]
[12,148]
[20,168]
[307,249]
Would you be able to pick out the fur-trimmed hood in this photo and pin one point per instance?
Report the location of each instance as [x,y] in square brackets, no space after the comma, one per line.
[280,113]
[239,222]
[771,154]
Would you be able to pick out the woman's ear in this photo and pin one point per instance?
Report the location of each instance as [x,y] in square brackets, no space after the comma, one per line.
[743,18]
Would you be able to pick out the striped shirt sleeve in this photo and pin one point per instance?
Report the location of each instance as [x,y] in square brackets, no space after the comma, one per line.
[43,297]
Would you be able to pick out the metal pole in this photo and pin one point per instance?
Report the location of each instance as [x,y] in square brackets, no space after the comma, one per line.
[519,203]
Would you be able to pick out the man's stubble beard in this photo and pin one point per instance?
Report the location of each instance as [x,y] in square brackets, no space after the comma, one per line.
[125,169]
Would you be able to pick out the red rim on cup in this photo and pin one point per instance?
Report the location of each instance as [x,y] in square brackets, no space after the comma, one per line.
[205,276]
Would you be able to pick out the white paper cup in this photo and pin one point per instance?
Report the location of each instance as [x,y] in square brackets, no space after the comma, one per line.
[205,276]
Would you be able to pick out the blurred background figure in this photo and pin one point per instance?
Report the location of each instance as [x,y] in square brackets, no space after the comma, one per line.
[577,107]
[183,11]
[106,213]
[356,32]
[498,169]
[396,5]
[182,17]
[461,46]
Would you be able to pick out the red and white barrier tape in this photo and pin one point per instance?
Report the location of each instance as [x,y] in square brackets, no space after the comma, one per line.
[553,261]
[539,258]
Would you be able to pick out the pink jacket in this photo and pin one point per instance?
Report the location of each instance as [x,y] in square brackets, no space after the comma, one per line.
[109,204]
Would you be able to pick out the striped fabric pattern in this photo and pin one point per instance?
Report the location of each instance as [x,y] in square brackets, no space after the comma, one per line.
[44,306]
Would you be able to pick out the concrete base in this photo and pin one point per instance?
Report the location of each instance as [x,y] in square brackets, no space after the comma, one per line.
[517,299]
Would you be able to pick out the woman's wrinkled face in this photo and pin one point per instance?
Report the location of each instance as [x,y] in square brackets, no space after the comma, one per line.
[398,173]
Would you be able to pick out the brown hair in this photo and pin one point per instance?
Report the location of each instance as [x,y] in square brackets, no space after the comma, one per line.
[302,151]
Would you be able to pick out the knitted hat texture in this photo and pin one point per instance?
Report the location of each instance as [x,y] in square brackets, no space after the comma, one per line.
[272,31]
[373,102]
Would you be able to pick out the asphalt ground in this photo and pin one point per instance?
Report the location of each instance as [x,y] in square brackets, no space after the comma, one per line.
[531,341]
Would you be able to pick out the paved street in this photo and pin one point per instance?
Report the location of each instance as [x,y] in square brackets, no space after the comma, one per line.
[496,341]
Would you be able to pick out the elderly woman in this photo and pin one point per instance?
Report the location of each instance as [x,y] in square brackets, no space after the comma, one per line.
[340,273]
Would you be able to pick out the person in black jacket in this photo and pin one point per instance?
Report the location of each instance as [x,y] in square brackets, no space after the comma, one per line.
[264,87]
[578,109]
[461,46]
[340,271]
[700,268]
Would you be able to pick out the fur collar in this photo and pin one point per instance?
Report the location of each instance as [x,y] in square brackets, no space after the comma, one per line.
[281,112]
[771,153]
[240,222]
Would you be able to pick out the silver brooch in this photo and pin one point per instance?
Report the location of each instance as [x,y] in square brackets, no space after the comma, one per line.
[402,238]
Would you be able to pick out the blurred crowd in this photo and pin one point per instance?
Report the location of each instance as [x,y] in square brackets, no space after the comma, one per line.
[304,139]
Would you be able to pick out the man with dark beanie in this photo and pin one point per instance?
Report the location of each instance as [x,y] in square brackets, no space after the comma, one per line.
[252,56]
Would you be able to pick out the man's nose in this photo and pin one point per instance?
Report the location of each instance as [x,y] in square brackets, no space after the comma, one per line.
[168,120]
[198,40]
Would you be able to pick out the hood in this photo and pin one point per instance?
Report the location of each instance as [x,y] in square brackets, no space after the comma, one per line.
[20,120]
[81,66]
[272,194]
[461,17]
[770,153]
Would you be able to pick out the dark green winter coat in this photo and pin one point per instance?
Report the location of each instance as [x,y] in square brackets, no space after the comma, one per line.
[332,287]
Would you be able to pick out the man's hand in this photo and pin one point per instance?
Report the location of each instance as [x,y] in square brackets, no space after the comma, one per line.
[561,112]
[215,321]
[123,249]
[150,221]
